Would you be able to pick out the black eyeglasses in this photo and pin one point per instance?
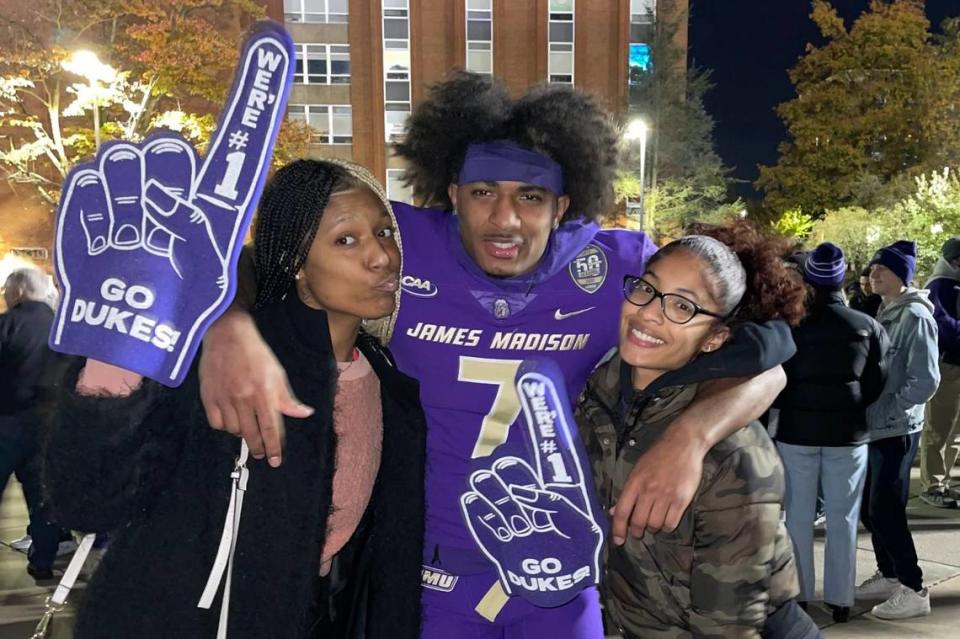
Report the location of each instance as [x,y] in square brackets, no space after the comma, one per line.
[676,308]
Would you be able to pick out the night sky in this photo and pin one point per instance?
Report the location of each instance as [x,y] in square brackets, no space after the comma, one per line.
[749,45]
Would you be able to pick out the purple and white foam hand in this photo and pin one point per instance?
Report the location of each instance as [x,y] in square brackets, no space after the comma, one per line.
[148,236]
[534,513]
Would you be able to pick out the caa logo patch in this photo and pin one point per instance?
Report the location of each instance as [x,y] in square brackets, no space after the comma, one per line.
[588,270]
[437,579]
[418,287]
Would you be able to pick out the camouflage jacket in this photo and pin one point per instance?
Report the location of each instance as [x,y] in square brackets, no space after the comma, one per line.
[730,562]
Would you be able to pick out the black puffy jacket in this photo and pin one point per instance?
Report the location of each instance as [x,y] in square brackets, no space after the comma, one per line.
[837,372]
[149,469]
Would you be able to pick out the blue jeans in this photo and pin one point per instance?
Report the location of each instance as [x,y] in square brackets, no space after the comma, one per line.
[840,471]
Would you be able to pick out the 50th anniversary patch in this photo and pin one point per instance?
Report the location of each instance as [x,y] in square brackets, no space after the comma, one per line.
[588,270]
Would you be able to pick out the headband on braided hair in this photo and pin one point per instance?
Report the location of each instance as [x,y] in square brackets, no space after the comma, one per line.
[287,221]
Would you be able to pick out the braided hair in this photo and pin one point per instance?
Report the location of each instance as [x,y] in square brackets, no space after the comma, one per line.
[558,121]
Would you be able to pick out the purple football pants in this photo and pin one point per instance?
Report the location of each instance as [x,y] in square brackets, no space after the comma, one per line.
[451,614]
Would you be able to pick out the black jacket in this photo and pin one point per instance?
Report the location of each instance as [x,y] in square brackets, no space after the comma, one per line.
[837,372]
[24,355]
[149,469]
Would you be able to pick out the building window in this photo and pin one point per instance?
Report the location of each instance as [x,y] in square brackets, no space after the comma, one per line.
[331,123]
[396,189]
[396,67]
[560,29]
[315,10]
[642,18]
[480,36]
[322,64]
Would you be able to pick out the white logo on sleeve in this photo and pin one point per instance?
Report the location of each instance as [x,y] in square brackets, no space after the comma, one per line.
[560,315]
[418,287]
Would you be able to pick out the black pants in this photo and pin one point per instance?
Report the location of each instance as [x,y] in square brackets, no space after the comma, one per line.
[790,621]
[20,454]
[884,508]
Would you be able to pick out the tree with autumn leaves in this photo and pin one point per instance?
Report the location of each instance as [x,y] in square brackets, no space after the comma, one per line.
[876,107]
[173,60]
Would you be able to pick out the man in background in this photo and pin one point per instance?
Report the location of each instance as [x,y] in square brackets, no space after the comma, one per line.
[938,447]
[25,360]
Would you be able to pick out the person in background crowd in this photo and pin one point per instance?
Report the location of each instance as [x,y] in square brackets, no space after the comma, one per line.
[820,426]
[895,421]
[861,296]
[727,570]
[25,361]
[938,446]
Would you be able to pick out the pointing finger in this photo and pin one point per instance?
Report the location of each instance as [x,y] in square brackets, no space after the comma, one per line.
[239,155]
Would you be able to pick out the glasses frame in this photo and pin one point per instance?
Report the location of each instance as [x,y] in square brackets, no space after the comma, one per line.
[698,310]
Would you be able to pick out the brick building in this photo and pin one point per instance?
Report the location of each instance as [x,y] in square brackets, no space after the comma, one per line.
[363,64]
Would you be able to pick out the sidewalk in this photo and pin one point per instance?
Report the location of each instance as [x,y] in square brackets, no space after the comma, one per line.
[936,533]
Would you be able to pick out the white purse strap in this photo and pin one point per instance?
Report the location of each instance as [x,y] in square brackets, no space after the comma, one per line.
[56,601]
[228,543]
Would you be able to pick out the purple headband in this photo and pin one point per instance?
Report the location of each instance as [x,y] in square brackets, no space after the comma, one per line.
[508,161]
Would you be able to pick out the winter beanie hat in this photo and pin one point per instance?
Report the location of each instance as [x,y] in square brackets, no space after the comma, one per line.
[825,266]
[900,257]
[951,249]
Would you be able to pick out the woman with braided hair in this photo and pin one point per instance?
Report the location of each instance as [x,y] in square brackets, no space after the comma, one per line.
[506,263]
[327,546]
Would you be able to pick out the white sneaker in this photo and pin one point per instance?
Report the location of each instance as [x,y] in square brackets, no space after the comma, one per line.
[877,587]
[66,547]
[22,544]
[904,604]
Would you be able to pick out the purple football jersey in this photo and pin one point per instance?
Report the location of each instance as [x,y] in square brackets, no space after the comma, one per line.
[464,334]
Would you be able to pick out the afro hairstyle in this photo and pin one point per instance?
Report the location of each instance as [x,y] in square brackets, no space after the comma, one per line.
[556,120]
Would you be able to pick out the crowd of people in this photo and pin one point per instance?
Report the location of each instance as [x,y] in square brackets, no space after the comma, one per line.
[720,386]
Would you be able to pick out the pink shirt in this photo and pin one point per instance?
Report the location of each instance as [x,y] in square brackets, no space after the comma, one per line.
[358,422]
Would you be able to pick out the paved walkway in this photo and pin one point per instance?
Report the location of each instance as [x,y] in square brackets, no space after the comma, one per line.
[936,533]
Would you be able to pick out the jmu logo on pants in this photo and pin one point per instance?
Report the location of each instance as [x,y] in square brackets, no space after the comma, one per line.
[437,579]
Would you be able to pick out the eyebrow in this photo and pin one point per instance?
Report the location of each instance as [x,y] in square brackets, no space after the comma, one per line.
[687,291]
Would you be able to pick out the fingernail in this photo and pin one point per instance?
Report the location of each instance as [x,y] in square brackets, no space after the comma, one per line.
[306,409]
[98,244]
[612,508]
[258,455]
[274,461]
[618,541]
[128,234]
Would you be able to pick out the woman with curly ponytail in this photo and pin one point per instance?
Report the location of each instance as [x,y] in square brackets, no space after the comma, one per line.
[728,568]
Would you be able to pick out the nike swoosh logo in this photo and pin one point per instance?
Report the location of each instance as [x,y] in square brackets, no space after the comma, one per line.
[559,315]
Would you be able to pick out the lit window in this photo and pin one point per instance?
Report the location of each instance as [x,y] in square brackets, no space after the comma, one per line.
[315,10]
[322,64]
[560,33]
[396,189]
[331,123]
[479,58]
[396,67]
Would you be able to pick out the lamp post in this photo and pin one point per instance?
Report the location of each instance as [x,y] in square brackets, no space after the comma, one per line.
[638,130]
[87,65]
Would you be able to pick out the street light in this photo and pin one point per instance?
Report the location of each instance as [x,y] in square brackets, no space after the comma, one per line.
[638,130]
[87,65]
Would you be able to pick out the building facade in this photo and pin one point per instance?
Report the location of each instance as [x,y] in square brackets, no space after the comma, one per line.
[362,65]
